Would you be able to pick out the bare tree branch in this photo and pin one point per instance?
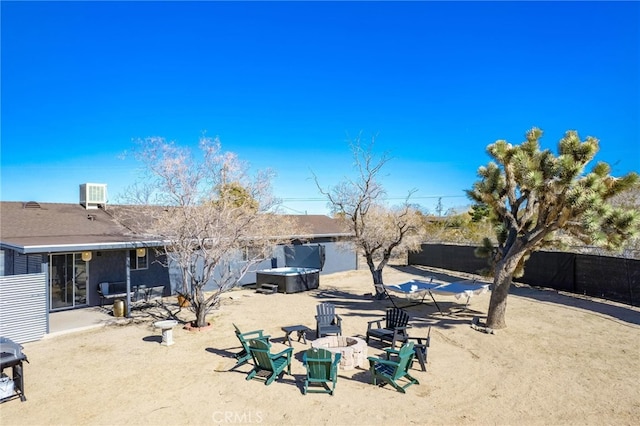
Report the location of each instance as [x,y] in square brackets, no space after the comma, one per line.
[378,229]
[209,212]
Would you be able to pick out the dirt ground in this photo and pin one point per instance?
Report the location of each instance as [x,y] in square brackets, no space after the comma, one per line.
[562,360]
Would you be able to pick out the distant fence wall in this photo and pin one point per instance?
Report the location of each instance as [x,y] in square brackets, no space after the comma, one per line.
[612,278]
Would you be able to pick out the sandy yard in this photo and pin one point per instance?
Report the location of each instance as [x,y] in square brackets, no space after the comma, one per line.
[563,360]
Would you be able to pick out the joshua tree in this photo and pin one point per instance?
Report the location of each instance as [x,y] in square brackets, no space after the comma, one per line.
[378,230]
[630,199]
[532,194]
[212,216]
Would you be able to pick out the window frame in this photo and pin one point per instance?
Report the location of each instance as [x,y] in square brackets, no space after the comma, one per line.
[135,260]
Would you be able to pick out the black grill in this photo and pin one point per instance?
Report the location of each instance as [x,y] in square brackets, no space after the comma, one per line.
[11,355]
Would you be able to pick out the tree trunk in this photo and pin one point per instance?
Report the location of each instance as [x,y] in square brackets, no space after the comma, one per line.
[376,274]
[377,284]
[501,284]
[200,307]
[498,303]
[201,320]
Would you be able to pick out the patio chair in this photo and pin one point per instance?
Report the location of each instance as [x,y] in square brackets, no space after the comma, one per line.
[321,370]
[155,293]
[393,371]
[421,348]
[244,355]
[395,328]
[268,365]
[327,321]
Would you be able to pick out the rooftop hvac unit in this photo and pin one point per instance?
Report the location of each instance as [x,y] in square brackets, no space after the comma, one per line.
[93,194]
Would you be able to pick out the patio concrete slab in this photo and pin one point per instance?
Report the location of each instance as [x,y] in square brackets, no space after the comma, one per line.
[77,320]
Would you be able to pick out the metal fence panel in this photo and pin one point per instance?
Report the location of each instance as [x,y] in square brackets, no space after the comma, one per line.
[451,257]
[611,278]
[23,307]
[550,269]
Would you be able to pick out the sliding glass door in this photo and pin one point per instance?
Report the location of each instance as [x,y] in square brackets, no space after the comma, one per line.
[68,281]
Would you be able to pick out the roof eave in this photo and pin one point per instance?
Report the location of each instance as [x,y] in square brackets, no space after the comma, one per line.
[123,245]
[59,248]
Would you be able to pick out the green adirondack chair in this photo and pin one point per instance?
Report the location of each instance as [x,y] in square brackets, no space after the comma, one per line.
[394,371]
[268,365]
[321,370]
[244,355]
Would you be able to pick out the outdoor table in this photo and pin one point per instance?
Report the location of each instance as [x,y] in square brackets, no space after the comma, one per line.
[300,329]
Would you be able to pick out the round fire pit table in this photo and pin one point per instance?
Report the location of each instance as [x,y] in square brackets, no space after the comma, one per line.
[353,350]
[167,330]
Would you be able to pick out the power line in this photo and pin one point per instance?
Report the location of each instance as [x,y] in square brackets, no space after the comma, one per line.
[293,210]
[384,198]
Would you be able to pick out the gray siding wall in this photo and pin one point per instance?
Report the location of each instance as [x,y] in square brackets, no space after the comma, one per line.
[23,307]
[104,266]
[17,264]
[339,257]
[111,266]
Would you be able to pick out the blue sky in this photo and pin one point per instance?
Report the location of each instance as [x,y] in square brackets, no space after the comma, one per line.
[286,85]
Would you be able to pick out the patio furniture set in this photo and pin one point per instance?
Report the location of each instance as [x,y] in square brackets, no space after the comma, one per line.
[331,351]
[113,291]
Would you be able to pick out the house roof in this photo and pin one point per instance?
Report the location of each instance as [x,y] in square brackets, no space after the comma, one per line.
[55,227]
[321,225]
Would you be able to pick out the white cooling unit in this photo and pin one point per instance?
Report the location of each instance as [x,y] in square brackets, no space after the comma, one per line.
[93,194]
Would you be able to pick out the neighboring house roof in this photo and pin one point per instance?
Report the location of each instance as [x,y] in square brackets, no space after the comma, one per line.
[321,226]
[55,227]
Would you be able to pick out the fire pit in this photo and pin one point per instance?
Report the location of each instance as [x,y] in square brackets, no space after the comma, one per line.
[352,349]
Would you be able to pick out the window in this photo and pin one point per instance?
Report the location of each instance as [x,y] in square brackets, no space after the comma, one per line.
[138,262]
[252,253]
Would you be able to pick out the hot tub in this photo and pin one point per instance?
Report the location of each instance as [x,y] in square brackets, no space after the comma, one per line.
[289,279]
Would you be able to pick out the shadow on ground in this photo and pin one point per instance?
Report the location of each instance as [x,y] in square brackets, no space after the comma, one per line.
[619,311]
[422,315]
[625,313]
[153,339]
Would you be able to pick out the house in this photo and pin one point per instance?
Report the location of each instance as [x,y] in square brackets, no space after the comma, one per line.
[54,255]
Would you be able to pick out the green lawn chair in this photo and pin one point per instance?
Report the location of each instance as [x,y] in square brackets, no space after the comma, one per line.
[244,355]
[268,365]
[321,369]
[396,370]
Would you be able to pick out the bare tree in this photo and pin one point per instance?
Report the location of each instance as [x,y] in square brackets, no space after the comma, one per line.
[213,217]
[378,230]
[533,195]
